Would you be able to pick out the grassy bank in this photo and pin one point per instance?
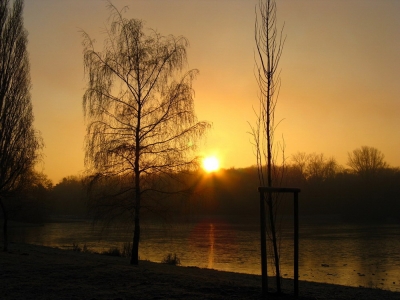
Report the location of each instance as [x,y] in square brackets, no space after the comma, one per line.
[36,272]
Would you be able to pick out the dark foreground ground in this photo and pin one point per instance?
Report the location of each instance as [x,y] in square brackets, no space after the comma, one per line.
[36,272]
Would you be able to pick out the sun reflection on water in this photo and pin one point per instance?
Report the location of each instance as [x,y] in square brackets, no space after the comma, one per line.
[212,242]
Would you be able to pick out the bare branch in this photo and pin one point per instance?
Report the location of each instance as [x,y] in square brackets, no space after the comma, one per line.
[139,108]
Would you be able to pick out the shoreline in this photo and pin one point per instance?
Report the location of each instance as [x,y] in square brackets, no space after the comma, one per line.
[38,272]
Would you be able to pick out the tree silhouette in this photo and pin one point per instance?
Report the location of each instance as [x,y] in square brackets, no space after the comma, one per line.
[269,45]
[19,143]
[319,168]
[139,107]
[366,160]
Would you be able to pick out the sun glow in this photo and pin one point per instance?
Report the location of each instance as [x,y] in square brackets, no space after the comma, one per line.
[210,164]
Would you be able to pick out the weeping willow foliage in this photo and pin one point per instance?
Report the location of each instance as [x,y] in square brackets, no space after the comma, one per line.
[139,107]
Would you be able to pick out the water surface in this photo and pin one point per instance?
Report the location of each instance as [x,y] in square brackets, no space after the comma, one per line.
[345,254]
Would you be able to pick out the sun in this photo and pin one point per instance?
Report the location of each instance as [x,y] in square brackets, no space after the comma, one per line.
[210,164]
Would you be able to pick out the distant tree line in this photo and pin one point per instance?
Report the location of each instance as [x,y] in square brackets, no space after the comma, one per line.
[368,189]
[327,188]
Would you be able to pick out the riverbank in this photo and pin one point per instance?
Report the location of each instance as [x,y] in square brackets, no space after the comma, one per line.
[37,272]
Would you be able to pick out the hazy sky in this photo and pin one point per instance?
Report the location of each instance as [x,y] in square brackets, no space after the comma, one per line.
[340,73]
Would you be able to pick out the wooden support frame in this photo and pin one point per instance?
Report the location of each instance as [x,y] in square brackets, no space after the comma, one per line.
[263,240]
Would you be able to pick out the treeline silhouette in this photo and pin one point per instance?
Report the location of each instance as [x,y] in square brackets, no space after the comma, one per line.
[342,195]
[231,194]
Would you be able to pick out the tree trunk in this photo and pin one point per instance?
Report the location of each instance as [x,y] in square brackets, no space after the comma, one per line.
[270,129]
[136,233]
[136,239]
[274,243]
[5,222]
[138,194]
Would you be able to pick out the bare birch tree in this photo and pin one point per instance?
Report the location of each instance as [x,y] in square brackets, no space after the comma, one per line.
[269,45]
[19,143]
[139,107]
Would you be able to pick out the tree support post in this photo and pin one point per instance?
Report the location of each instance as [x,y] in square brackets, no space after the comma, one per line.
[296,243]
[263,242]
[264,276]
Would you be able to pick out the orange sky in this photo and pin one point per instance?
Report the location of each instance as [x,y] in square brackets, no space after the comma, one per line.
[340,73]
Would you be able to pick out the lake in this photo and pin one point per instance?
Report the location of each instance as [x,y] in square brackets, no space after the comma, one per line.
[330,252]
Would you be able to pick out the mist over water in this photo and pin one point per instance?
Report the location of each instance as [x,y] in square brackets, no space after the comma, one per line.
[345,254]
